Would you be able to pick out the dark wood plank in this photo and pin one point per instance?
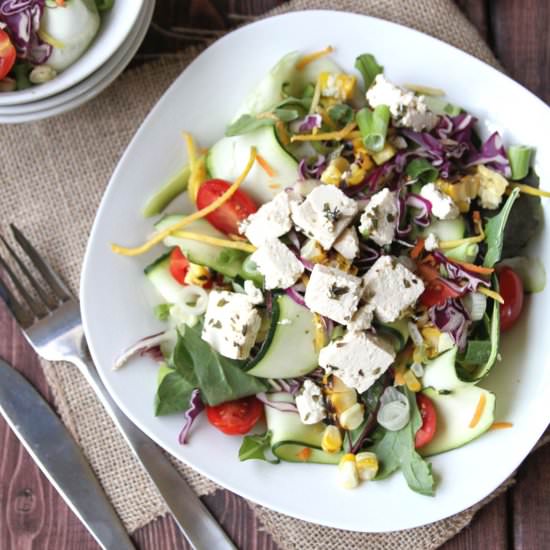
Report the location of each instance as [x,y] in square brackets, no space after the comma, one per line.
[522,41]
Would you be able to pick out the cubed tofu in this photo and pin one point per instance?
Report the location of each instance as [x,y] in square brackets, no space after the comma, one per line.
[253,292]
[362,319]
[310,403]
[324,214]
[231,324]
[271,220]
[333,293]
[347,243]
[432,242]
[443,207]
[358,359]
[277,264]
[379,220]
[391,288]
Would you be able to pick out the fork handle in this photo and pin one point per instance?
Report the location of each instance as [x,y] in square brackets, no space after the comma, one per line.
[198,526]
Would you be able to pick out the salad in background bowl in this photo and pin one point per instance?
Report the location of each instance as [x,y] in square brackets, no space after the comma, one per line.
[354,254]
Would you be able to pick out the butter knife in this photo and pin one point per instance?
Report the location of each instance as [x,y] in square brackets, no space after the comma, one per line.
[51,446]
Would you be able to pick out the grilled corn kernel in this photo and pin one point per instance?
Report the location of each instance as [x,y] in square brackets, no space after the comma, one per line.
[338,86]
[431,336]
[348,475]
[411,381]
[367,465]
[334,171]
[320,336]
[356,174]
[197,275]
[351,418]
[331,441]
[341,401]
[386,154]
[313,252]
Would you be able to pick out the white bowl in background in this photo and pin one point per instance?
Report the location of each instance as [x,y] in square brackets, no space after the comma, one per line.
[116,25]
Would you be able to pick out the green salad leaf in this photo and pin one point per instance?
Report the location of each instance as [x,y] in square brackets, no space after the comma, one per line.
[162,311]
[173,394]
[341,113]
[250,123]
[396,450]
[255,447]
[367,65]
[494,231]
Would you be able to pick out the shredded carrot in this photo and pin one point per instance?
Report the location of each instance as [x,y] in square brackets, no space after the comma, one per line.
[274,185]
[309,58]
[304,454]
[474,268]
[501,425]
[158,237]
[528,190]
[237,245]
[417,249]
[336,136]
[282,133]
[60,2]
[478,412]
[491,294]
[265,166]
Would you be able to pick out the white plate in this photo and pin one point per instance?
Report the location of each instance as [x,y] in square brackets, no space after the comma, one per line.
[116,26]
[88,88]
[117,300]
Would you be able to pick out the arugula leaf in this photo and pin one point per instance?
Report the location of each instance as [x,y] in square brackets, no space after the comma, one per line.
[173,394]
[367,65]
[254,447]
[396,450]
[341,113]
[494,231]
[247,123]
[220,379]
[182,362]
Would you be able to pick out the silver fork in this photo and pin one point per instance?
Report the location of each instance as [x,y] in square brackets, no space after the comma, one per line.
[53,326]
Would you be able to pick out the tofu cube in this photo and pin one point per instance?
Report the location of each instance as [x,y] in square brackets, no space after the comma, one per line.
[443,207]
[310,403]
[324,214]
[347,244]
[358,359]
[277,264]
[391,288]
[333,293]
[362,319]
[379,220]
[231,324]
[271,220]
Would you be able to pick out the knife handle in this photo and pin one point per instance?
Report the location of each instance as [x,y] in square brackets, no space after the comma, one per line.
[198,526]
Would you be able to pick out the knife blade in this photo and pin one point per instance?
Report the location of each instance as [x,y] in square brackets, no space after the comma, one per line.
[58,456]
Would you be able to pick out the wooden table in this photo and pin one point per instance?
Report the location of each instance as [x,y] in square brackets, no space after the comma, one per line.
[32,515]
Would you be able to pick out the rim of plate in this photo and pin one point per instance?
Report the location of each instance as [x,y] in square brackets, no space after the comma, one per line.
[539,424]
[126,13]
[89,88]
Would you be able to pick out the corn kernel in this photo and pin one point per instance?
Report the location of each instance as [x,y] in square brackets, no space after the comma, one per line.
[431,336]
[386,154]
[367,465]
[320,336]
[331,441]
[348,475]
[352,417]
[336,384]
[332,174]
[197,275]
[357,174]
[340,401]
[411,381]
[337,86]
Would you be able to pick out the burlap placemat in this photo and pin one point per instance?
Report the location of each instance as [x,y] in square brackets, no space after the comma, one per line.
[52,176]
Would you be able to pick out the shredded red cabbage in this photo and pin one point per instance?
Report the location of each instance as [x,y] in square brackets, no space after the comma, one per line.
[307,124]
[312,168]
[401,215]
[22,19]
[452,317]
[424,205]
[459,273]
[493,155]
[196,406]
[295,296]
[279,405]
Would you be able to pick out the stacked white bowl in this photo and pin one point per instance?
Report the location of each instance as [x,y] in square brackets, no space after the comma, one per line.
[122,31]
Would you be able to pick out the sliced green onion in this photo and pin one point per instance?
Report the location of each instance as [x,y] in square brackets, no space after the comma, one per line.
[421,169]
[167,193]
[520,160]
[373,126]
[441,106]
[367,65]
[425,90]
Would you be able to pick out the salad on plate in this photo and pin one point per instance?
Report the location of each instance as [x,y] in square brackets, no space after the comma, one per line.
[41,38]
[339,290]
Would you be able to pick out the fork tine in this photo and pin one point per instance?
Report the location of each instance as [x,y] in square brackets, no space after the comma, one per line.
[50,276]
[43,295]
[21,315]
[31,302]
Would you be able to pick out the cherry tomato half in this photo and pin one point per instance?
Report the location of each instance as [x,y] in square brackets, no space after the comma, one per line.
[7,54]
[235,417]
[437,293]
[179,265]
[227,217]
[426,432]
[511,289]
